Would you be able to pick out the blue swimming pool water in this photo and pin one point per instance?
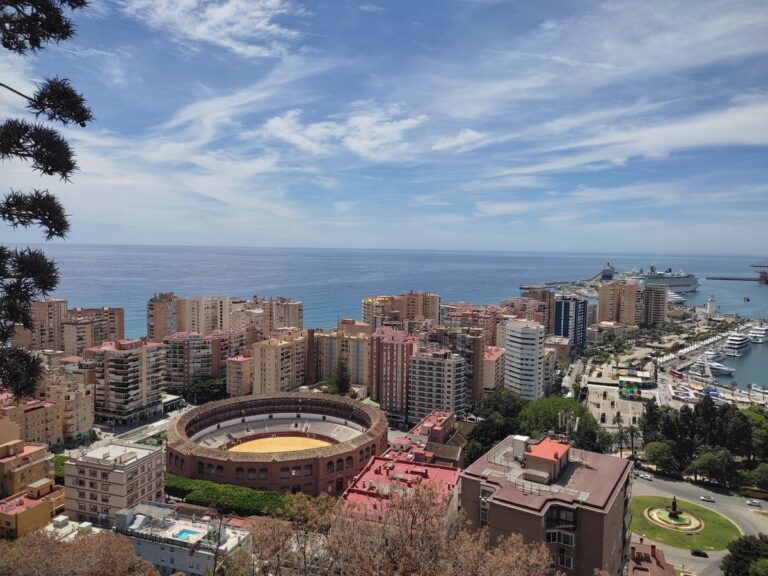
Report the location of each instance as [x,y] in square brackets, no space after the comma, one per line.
[186,534]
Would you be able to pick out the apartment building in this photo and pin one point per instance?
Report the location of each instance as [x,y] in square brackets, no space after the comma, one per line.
[469,343]
[465,315]
[390,359]
[86,327]
[108,479]
[632,304]
[76,396]
[330,347]
[493,368]
[524,358]
[240,375]
[21,463]
[281,313]
[130,377]
[38,420]
[208,313]
[31,509]
[410,306]
[46,332]
[166,314]
[577,502]
[547,299]
[279,364]
[180,543]
[437,381]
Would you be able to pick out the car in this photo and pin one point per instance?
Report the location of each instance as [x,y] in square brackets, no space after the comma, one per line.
[754,503]
[699,553]
[645,476]
[706,498]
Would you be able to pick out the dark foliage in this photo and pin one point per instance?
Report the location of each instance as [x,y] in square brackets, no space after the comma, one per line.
[26,274]
[225,498]
[341,378]
[29,26]
[742,552]
[208,390]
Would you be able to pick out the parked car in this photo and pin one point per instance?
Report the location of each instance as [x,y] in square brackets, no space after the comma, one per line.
[754,503]
[706,498]
[646,476]
[699,553]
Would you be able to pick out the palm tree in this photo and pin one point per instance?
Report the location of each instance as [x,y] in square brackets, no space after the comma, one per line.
[621,434]
[632,430]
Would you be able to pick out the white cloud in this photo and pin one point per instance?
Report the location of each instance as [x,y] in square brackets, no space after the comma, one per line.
[248,28]
[370,8]
[464,140]
[343,207]
[429,200]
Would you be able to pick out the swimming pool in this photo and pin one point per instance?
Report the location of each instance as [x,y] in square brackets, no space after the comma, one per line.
[186,534]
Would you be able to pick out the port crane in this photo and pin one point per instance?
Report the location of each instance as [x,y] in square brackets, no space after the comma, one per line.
[763,279]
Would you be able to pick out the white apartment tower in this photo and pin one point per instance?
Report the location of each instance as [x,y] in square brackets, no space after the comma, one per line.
[524,358]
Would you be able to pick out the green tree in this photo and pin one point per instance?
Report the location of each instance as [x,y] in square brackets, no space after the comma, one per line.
[621,435]
[650,420]
[715,465]
[742,552]
[206,390]
[632,431]
[544,415]
[662,455]
[757,416]
[759,476]
[27,274]
[759,567]
[705,417]
[342,376]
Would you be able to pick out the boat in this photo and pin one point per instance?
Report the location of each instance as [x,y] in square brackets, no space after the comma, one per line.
[714,355]
[674,298]
[759,334]
[715,367]
[677,282]
[737,344]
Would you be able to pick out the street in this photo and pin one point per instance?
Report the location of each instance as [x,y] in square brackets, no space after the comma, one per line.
[730,505]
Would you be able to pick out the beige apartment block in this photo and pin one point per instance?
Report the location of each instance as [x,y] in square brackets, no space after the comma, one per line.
[107,479]
[108,323]
[575,501]
[279,363]
[21,463]
[354,348]
[437,381]
[38,420]
[239,375]
[191,356]
[130,376]
[166,314]
[78,335]
[493,372]
[632,304]
[46,334]
[411,306]
[76,396]
[208,313]
[464,315]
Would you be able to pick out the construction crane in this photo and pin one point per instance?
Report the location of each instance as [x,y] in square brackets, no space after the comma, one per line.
[763,273]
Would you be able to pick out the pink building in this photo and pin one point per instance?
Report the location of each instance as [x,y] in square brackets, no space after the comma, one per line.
[390,359]
[493,368]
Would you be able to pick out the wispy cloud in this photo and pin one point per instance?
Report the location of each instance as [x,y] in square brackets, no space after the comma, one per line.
[370,8]
[248,28]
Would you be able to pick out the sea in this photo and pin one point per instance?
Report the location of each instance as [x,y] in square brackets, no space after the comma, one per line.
[332,282]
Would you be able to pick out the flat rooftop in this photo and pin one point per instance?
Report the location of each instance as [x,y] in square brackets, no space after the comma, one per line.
[549,449]
[493,353]
[19,503]
[114,453]
[382,477]
[590,479]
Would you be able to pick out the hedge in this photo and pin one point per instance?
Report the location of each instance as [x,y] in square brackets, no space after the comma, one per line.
[231,499]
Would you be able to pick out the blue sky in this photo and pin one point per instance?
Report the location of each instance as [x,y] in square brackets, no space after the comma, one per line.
[477,124]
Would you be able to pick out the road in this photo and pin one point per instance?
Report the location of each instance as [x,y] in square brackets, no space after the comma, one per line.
[575,369]
[730,505]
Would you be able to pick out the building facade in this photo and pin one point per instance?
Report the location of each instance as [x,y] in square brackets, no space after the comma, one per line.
[577,502]
[239,375]
[39,421]
[390,360]
[46,332]
[21,463]
[107,479]
[279,364]
[130,377]
[166,314]
[493,368]
[571,319]
[330,347]
[524,358]
[76,396]
[437,382]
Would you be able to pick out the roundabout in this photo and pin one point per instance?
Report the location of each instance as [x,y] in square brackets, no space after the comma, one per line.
[681,523]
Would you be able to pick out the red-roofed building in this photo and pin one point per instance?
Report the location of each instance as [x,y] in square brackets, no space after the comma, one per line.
[31,510]
[371,490]
[648,560]
[549,492]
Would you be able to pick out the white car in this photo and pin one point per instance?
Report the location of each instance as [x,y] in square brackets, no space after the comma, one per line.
[754,503]
[646,477]
[706,498]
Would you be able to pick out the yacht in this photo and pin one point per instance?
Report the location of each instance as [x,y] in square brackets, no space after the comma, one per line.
[737,344]
[714,355]
[759,334]
[715,367]
[674,298]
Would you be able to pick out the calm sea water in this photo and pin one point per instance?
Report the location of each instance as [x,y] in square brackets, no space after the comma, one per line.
[331,283]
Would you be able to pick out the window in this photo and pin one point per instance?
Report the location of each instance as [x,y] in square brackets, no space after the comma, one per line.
[263,474]
[350,463]
[81,471]
[104,486]
[296,471]
[200,468]
[329,468]
[339,465]
[220,471]
[308,470]
[81,494]
[210,469]
[283,472]
[565,561]
[105,475]
[104,498]
[239,473]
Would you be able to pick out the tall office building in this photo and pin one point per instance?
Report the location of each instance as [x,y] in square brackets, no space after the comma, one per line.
[239,375]
[390,359]
[524,358]
[437,381]
[571,319]
[281,313]
[130,376]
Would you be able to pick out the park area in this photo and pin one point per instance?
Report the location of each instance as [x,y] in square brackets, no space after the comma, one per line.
[713,532]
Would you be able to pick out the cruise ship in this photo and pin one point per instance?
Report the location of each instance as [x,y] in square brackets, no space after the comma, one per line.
[675,281]
[737,344]
[759,334]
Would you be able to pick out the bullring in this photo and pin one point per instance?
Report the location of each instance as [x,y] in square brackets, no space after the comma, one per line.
[324,442]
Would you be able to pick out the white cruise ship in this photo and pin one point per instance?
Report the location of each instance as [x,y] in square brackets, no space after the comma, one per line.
[675,281]
[737,344]
[759,334]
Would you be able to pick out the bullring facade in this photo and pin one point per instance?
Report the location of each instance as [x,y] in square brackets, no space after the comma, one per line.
[203,443]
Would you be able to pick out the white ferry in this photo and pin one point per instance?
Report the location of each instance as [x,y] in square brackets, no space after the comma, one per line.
[759,334]
[737,344]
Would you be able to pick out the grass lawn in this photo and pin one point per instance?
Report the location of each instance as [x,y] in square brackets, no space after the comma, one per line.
[718,531]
